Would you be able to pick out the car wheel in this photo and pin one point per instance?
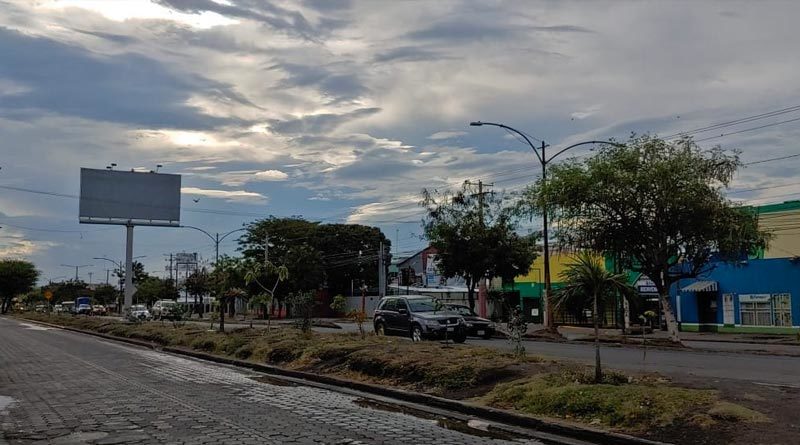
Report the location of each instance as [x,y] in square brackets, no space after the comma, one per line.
[380,329]
[460,337]
[416,333]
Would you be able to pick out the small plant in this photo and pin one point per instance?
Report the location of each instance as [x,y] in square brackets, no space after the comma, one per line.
[647,319]
[359,318]
[178,313]
[516,331]
[302,304]
[339,304]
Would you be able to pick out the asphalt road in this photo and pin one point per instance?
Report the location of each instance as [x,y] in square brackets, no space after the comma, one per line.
[728,361]
[768,369]
[61,387]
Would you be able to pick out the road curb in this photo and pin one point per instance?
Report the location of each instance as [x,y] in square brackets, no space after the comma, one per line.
[595,436]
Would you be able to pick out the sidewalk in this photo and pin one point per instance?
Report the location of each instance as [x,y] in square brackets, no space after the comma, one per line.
[582,333]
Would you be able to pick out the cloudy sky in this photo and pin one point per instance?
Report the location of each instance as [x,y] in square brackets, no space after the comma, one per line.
[342,111]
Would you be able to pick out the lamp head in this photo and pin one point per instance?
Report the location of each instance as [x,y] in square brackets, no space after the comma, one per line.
[476,124]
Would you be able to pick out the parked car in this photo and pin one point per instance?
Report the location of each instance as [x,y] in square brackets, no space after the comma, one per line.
[84,309]
[40,308]
[163,309]
[99,309]
[138,312]
[476,326]
[58,308]
[68,307]
[419,317]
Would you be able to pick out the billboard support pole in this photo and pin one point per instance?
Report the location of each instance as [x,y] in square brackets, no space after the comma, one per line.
[129,290]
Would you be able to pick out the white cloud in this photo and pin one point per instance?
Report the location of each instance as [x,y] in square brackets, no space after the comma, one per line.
[447,135]
[271,175]
[228,195]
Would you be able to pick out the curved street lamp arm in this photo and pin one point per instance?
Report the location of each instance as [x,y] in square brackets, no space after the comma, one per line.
[533,147]
[232,231]
[201,230]
[583,143]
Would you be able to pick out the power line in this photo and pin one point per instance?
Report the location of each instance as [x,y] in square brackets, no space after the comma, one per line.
[736,122]
[750,129]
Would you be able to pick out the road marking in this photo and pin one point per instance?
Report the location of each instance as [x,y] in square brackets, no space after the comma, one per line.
[778,385]
[34,327]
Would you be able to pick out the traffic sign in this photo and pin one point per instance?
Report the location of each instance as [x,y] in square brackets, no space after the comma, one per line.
[48,294]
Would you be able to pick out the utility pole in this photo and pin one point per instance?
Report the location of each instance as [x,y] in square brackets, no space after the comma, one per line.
[90,277]
[381,272]
[482,291]
[108,272]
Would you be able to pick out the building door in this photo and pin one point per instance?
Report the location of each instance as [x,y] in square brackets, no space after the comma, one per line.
[727,308]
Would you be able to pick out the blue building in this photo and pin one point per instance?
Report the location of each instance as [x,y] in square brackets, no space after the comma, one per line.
[758,295]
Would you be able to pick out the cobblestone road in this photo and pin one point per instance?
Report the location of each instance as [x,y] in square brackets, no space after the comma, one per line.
[61,387]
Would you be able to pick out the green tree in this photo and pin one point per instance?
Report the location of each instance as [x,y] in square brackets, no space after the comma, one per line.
[139,275]
[657,205]
[16,278]
[69,290]
[105,294]
[198,286]
[588,284]
[475,237]
[152,289]
[329,255]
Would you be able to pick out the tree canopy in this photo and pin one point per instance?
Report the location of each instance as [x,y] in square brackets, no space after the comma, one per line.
[16,277]
[475,238]
[656,205]
[317,255]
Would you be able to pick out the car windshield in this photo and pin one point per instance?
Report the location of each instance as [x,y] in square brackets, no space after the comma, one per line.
[424,305]
[138,307]
[460,310]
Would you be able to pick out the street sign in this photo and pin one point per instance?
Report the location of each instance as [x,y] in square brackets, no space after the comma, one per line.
[48,295]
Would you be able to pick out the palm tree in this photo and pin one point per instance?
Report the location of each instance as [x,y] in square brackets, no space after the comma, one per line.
[587,282]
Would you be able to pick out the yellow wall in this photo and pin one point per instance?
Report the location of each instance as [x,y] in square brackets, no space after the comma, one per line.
[558,264]
[785,229]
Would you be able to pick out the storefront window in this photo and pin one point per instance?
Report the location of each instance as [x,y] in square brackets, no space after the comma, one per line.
[766,310]
[782,305]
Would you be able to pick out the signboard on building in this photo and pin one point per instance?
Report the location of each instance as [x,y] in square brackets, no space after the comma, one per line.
[751,298]
[645,285]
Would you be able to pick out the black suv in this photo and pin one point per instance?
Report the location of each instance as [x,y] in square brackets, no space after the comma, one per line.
[419,317]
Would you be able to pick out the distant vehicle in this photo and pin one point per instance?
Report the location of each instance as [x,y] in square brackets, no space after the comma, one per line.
[138,312]
[476,326]
[163,309]
[58,308]
[40,308]
[68,307]
[83,309]
[419,317]
[98,309]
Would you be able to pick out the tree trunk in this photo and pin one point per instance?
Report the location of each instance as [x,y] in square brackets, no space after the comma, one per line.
[669,317]
[471,294]
[5,304]
[598,372]
[222,315]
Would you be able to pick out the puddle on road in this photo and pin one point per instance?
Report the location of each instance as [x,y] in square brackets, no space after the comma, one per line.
[5,403]
[273,381]
[473,427]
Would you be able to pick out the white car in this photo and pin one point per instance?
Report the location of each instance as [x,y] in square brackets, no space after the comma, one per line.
[139,312]
[163,309]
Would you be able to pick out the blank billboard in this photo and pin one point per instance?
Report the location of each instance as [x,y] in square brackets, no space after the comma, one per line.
[121,197]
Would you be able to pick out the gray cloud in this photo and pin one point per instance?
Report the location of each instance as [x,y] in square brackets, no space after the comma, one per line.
[116,38]
[466,30]
[409,54]
[319,123]
[126,88]
[339,86]
[279,18]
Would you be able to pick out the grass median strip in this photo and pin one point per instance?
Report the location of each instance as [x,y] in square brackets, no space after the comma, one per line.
[545,389]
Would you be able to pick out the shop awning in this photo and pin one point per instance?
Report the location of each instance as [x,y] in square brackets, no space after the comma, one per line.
[701,286]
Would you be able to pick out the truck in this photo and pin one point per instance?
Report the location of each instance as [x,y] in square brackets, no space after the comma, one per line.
[83,305]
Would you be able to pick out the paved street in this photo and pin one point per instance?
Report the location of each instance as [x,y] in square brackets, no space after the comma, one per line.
[66,388]
[736,364]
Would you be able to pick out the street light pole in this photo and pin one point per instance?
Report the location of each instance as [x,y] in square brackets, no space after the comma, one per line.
[76,268]
[544,161]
